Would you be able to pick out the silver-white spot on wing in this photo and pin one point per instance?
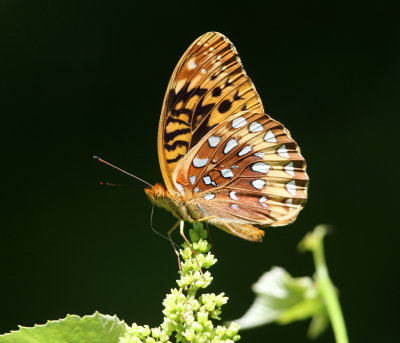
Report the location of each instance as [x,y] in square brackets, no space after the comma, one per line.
[209,196]
[213,141]
[234,206]
[207,180]
[226,173]
[196,190]
[245,150]
[230,145]
[270,137]
[262,201]
[199,162]
[282,151]
[179,188]
[192,64]
[233,195]
[258,184]
[289,202]
[260,167]
[255,127]
[260,154]
[238,122]
[289,168]
[192,179]
[291,187]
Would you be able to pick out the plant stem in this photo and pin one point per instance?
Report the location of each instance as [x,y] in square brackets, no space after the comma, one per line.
[326,287]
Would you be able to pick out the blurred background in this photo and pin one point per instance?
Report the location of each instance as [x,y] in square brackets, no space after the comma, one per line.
[83,78]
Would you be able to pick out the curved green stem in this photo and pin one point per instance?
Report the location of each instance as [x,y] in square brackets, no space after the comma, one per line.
[314,243]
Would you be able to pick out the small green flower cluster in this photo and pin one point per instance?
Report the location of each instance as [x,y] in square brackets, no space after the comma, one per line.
[189,318]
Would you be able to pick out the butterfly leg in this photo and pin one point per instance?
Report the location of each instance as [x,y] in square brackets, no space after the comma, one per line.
[190,246]
[209,238]
[173,245]
[205,219]
[208,230]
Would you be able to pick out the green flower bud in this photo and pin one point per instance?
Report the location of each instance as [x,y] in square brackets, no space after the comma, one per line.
[232,330]
[197,327]
[220,330]
[155,332]
[221,299]
[202,317]
[210,306]
[164,337]
[208,326]
[194,235]
[169,325]
[195,305]
[189,319]
[189,334]
[236,338]
[203,246]
[186,253]
[145,330]
[215,314]
[203,234]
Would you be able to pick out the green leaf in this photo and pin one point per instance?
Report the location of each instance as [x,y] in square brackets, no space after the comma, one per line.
[283,299]
[97,328]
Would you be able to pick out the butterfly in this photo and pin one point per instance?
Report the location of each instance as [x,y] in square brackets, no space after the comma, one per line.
[223,160]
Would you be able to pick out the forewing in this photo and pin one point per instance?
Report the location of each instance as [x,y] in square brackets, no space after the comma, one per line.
[248,169]
[208,85]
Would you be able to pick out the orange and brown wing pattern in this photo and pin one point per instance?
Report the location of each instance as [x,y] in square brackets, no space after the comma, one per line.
[208,85]
[247,170]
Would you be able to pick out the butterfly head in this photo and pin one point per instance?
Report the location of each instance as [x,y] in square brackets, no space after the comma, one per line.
[161,197]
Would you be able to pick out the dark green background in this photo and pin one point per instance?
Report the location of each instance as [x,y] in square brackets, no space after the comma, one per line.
[88,77]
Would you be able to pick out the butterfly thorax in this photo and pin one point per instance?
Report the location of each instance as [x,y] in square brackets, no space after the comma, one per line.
[161,197]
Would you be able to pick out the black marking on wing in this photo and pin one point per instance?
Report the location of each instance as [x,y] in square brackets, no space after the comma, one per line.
[225,106]
[183,95]
[201,131]
[174,120]
[227,83]
[169,136]
[237,97]
[171,147]
[200,112]
[176,159]
[216,92]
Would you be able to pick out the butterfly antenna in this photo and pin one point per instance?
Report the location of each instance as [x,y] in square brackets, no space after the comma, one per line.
[108,184]
[155,231]
[121,170]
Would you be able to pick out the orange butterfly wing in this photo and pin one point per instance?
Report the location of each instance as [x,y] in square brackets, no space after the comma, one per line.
[222,159]
[208,85]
